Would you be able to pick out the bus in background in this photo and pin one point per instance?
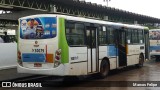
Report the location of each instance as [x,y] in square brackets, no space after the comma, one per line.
[8,49]
[154,35]
[8,36]
[53,44]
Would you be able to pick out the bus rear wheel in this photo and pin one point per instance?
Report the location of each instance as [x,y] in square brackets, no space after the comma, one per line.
[141,61]
[104,69]
[157,58]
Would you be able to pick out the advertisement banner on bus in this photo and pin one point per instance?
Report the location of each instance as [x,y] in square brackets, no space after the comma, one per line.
[38,28]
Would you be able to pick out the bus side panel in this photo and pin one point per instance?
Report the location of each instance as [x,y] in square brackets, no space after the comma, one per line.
[133,54]
[78,60]
[109,52]
[113,54]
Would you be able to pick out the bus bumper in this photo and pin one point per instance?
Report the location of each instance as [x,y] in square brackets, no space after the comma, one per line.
[61,70]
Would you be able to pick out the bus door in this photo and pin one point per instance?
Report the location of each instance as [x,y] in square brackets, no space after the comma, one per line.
[91,34]
[121,44]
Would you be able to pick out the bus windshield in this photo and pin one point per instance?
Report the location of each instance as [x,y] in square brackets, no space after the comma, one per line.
[154,35]
[38,28]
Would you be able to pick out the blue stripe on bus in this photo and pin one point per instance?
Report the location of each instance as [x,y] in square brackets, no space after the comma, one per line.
[30,57]
[112,51]
[154,47]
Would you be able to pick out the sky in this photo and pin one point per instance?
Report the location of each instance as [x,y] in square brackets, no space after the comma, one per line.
[144,7]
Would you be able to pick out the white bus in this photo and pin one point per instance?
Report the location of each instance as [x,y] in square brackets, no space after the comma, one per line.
[154,35]
[64,45]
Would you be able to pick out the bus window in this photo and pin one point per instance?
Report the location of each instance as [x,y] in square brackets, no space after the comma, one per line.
[154,35]
[134,36]
[110,35]
[122,38]
[129,36]
[140,37]
[75,33]
[102,35]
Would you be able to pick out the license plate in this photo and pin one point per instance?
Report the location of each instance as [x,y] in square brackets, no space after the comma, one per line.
[37,65]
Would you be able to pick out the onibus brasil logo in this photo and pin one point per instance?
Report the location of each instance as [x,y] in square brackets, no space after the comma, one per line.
[13,84]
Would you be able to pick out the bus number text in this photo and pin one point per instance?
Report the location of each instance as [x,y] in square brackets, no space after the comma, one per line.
[37,50]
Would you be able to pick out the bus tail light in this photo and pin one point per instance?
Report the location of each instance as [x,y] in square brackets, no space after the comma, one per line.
[19,55]
[58,52]
[57,58]
[19,58]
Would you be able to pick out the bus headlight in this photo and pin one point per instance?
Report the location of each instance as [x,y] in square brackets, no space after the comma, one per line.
[56,63]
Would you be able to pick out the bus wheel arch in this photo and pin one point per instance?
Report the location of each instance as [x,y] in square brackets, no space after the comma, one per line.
[104,67]
[141,60]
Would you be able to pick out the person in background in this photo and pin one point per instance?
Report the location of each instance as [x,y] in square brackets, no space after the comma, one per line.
[6,37]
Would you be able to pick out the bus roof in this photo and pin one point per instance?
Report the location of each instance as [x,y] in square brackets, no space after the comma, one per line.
[154,30]
[88,20]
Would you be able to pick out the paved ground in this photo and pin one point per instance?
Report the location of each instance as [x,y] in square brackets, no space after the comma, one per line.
[150,72]
[11,73]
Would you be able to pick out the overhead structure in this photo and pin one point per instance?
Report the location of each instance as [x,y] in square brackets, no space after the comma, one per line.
[20,8]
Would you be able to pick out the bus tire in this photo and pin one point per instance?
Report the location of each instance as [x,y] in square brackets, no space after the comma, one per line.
[141,60]
[104,69]
[67,79]
[157,58]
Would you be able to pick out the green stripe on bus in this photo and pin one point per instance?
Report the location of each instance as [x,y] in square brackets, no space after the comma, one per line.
[62,42]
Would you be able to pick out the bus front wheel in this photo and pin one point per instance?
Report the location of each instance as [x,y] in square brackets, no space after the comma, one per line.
[104,69]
